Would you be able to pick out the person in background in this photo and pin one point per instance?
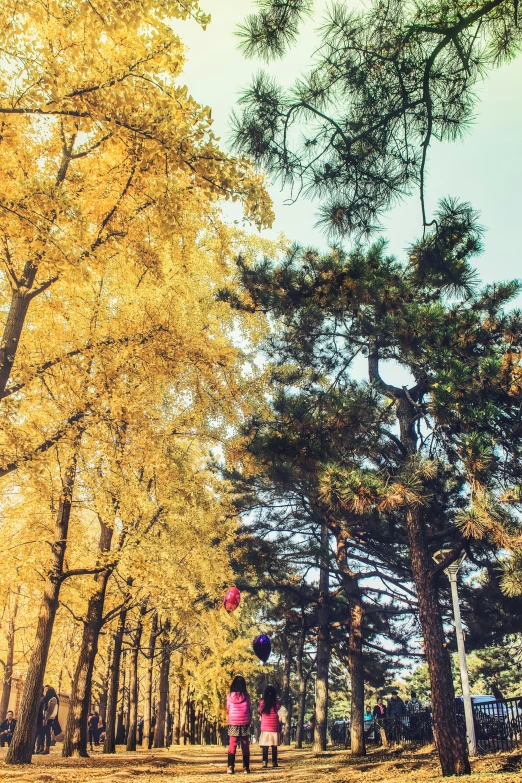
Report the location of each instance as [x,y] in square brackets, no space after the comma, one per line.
[283,720]
[47,712]
[270,725]
[7,728]
[396,706]
[379,714]
[101,730]
[151,730]
[368,723]
[312,721]
[239,720]
[140,729]
[414,706]
[93,726]
[379,711]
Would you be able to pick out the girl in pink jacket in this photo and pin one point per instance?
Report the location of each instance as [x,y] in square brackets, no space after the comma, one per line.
[239,719]
[270,725]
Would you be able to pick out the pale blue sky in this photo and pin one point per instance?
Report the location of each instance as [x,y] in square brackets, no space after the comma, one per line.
[485,167]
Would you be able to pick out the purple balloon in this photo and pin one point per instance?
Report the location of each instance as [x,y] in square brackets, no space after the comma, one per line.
[262,647]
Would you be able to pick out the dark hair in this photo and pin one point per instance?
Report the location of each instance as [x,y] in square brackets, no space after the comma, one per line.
[413,695]
[269,699]
[238,685]
[51,694]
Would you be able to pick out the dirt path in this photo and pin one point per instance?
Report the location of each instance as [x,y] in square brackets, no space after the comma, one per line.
[201,765]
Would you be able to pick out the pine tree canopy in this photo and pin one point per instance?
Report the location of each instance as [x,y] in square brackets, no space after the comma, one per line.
[460,344]
[383,82]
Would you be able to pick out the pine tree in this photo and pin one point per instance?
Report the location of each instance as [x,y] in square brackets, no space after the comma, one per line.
[383,82]
[457,420]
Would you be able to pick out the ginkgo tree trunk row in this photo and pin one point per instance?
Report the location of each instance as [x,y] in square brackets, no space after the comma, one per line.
[119,378]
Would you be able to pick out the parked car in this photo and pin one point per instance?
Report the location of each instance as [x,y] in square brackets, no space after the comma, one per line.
[488,705]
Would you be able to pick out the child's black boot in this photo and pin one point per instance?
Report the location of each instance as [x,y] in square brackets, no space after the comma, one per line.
[231,762]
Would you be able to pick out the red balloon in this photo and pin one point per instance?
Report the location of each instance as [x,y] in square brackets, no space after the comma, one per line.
[232,599]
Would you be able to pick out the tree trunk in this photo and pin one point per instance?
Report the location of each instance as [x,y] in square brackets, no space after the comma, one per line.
[21,297]
[176,714]
[355,643]
[9,660]
[285,690]
[22,744]
[302,679]
[120,722]
[105,686]
[133,683]
[192,723]
[112,698]
[356,669]
[159,731]
[451,743]
[147,708]
[76,732]
[185,716]
[323,649]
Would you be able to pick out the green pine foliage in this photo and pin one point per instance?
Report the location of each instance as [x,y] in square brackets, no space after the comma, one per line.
[383,82]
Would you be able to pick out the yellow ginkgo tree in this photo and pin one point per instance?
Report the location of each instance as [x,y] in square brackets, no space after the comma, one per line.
[112,248]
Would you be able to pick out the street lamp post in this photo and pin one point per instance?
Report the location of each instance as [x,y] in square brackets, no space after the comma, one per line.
[451,571]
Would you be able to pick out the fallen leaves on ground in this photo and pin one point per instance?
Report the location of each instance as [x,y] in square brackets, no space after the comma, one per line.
[199,764]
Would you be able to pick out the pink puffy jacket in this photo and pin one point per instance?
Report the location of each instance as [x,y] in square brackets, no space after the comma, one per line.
[238,708]
[270,720]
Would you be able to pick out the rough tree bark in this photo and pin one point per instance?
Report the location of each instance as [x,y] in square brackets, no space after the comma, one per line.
[22,744]
[76,732]
[192,722]
[22,294]
[285,689]
[176,714]
[355,644]
[159,730]
[109,745]
[120,720]
[302,679]
[185,716]
[9,659]
[151,649]
[104,685]
[451,744]
[133,681]
[323,648]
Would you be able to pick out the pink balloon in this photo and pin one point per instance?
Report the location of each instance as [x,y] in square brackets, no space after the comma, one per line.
[232,599]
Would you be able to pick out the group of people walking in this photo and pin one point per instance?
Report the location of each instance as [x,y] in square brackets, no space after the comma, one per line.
[239,709]
[396,707]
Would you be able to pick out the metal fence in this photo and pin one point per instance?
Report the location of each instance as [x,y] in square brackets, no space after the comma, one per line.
[498,724]
[414,729]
